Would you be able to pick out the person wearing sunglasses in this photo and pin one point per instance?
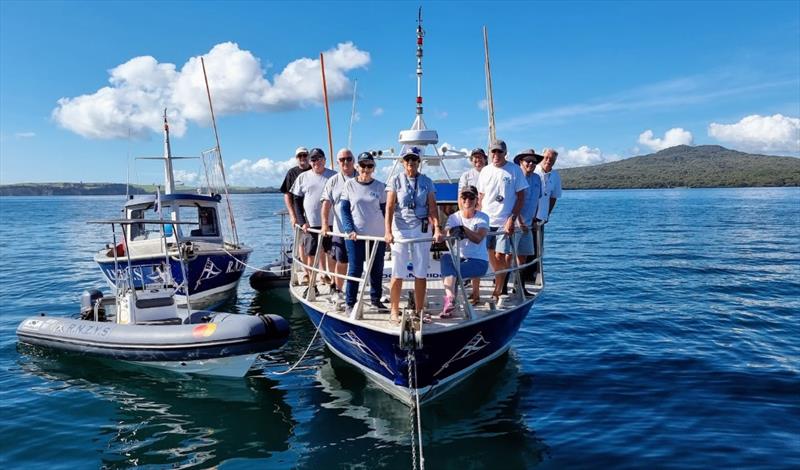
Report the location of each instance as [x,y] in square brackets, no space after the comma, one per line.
[307,191]
[331,195]
[501,189]
[470,226]
[410,213]
[527,161]
[362,201]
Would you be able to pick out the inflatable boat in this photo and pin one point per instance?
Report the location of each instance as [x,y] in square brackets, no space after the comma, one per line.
[209,343]
[143,324]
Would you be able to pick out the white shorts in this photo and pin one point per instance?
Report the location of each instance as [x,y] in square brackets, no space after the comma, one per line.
[419,254]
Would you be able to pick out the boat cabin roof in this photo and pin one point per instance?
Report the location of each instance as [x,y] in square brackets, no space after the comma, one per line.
[149,199]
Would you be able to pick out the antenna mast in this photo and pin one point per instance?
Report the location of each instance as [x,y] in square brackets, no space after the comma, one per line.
[352,117]
[420,35]
[489,94]
[169,182]
[219,154]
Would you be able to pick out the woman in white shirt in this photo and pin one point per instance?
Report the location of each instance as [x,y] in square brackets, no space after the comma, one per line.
[471,226]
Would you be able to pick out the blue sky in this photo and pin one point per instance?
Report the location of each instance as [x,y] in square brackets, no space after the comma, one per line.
[599,81]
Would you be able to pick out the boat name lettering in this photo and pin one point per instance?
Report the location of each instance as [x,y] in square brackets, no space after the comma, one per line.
[86,330]
[235,266]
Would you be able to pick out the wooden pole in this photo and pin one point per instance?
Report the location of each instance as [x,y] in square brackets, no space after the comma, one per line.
[489,94]
[327,110]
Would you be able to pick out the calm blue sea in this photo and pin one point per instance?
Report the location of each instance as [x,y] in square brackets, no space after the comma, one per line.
[667,337]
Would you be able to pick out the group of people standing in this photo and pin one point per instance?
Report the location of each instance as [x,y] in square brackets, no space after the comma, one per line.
[402,214]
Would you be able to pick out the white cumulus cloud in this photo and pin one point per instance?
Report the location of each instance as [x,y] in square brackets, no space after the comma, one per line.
[187,178]
[262,172]
[673,137]
[141,88]
[377,111]
[776,133]
[584,156]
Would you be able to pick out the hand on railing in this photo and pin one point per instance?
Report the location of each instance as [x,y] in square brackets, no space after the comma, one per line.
[305,227]
[508,227]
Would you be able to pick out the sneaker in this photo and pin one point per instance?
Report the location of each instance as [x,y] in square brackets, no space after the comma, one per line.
[335,297]
[379,306]
[348,310]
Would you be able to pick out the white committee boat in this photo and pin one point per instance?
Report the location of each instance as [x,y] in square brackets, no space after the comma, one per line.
[415,361]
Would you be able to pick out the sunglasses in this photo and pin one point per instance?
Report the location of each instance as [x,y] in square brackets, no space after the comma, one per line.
[346,159]
[467,196]
[497,151]
[317,159]
[302,155]
[412,160]
[366,165]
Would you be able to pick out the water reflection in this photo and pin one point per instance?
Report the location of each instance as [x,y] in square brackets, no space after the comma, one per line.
[359,424]
[171,420]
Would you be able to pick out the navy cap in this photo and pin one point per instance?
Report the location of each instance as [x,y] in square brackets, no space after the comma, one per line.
[365,157]
[316,154]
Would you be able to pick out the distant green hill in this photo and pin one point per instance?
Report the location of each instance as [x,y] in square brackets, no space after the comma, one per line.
[703,166]
[99,189]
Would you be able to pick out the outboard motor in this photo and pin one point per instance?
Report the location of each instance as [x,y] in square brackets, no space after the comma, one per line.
[88,299]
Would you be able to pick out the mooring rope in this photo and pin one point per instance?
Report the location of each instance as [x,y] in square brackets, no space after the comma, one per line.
[307,348]
[243,263]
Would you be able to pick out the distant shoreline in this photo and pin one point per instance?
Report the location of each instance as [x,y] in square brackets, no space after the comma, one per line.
[5,191]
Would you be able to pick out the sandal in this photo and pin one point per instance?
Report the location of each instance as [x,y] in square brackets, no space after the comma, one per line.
[474,300]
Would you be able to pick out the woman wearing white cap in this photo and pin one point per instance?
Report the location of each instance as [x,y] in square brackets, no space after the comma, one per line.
[410,213]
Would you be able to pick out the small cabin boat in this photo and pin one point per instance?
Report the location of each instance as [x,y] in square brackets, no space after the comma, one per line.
[215,259]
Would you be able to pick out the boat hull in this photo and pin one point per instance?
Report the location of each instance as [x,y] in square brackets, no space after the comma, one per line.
[447,355]
[209,347]
[213,276]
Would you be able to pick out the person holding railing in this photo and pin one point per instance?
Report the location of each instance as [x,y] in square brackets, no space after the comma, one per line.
[470,226]
[307,191]
[411,213]
[330,200]
[527,160]
[501,188]
[362,199]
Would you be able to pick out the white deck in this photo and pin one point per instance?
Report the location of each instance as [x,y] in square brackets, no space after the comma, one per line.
[435,295]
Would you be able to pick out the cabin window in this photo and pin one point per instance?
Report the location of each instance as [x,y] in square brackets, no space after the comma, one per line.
[137,231]
[208,222]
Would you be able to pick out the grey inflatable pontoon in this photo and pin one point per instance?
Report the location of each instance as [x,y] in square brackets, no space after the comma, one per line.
[143,324]
[211,343]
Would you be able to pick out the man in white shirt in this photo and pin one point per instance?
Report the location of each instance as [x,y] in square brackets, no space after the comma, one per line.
[501,188]
[551,191]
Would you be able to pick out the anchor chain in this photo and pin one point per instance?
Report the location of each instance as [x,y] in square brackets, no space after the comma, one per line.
[411,341]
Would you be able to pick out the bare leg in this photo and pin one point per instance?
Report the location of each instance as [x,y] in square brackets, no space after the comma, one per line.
[499,264]
[420,286]
[394,289]
[341,268]
[449,282]
[476,288]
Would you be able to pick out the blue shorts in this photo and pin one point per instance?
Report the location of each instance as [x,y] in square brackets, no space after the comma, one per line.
[470,267]
[524,242]
[499,243]
[338,250]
